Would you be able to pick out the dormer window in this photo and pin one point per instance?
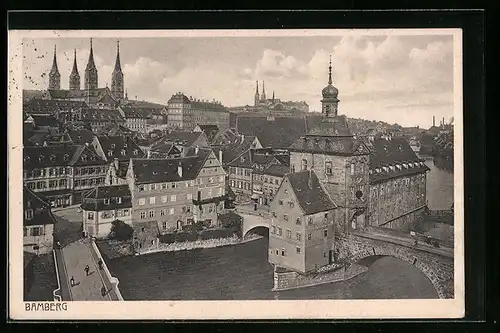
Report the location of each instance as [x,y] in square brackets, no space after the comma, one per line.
[304,164]
[125,145]
[52,158]
[66,157]
[136,152]
[110,153]
[106,201]
[84,158]
[119,200]
[112,145]
[123,152]
[41,158]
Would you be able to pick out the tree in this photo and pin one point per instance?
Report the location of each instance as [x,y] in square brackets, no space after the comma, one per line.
[121,231]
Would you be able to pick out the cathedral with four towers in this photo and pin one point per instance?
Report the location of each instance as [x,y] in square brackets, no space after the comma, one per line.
[91,94]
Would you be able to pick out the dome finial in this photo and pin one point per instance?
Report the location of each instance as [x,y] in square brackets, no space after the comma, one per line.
[330,71]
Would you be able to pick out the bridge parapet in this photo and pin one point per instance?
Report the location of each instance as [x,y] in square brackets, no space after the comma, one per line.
[438,268]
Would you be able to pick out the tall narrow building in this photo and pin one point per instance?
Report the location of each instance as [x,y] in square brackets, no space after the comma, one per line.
[117,86]
[257,95]
[54,76]
[74,77]
[91,72]
[330,101]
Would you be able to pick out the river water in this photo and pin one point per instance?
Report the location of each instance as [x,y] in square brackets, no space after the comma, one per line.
[242,272]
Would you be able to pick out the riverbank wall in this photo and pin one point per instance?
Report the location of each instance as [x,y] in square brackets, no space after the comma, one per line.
[286,279]
[198,244]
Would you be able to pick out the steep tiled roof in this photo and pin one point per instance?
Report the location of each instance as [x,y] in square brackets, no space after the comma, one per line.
[38,138]
[311,196]
[334,126]
[94,199]
[120,147]
[210,131]
[80,137]
[67,94]
[224,137]
[115,129]
[178,98]
[251,157]
[135,112]
[165,170]
[389,152]
[45,120]
[278,132]
[276,170]
[41,209]
[28,95]
[98,115]
[235,149]
[59,155]
[394,154]
[178,137]
[330,145]
[52,106]
[144,104]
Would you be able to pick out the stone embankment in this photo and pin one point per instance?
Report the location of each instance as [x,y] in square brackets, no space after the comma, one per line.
[199,244]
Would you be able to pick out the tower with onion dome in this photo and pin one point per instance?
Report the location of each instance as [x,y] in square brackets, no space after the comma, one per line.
[330,99]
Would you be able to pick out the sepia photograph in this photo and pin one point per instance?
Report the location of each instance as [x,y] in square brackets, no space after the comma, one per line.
[236,174]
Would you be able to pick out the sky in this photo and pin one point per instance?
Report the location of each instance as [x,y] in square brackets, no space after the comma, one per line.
[397,79]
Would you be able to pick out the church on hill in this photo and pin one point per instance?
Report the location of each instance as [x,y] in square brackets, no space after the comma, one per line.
[93,95]
[261,101]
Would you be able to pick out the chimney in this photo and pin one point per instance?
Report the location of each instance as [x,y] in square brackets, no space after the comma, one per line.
[179,169]
[115,161]
[149,154]
[220,156]
[433,121]
[242,138]
[309,180]
[196,150]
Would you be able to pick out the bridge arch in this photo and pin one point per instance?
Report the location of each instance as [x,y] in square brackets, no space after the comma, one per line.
[438,282]
[251,222]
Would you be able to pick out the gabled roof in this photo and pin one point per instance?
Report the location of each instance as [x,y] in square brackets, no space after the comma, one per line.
[331,127]
[165,148]
[120,147]
[67,94]
[42,214]
[277,132]
[99,115]
[311,196]
[166,170]
[277,170]
[210,131]
[52,106]
[54,155]
[179,138]
[329,145]
[28,94]
[135,112]
[85,156]
[115,129]
[251,157]
[94,199]
[385,152]
[225,137]
[235,149]
[144,104]
[80,137]
[45,120]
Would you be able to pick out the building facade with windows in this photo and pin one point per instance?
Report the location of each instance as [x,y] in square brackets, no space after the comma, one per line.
[301,236]
[102,206]
[62,173]
[186,113]
[38,223]
[175,192]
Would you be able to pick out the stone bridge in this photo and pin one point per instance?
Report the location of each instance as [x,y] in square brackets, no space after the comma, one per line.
[364,247]
[252,221]
[435,263]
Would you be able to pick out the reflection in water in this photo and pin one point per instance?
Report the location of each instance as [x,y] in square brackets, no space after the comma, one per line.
[439,183]
[242,272]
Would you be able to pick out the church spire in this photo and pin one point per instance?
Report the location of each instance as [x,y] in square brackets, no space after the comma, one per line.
[263,97]
[330,71]
[256,98]
[273,96]
[91,78]
[54,76]
[74,77]
[117,86]
[257,88]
